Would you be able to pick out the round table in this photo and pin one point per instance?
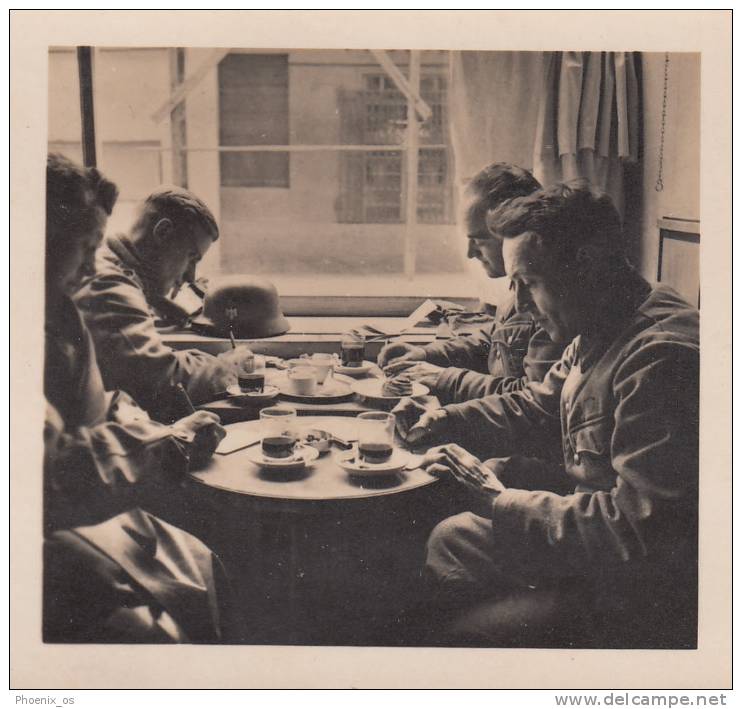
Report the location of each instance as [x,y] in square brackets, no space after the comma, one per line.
[323,481]
[314,552]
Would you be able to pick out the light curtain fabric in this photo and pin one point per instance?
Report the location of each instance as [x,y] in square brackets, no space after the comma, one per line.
[494,109]
[562,115]
[588,119]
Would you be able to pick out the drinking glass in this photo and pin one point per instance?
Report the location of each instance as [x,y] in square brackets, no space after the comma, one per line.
[279,430]
[352,349]
[375,436]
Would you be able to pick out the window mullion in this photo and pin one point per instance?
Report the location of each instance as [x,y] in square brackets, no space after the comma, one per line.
[412,154]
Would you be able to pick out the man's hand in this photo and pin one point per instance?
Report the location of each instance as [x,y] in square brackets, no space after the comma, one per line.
[205,432]
[398,351]
[409,411]
[422,372]
[455,462]
[234,358]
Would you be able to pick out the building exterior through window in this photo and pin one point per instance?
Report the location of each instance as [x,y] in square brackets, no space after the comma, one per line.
[301,154]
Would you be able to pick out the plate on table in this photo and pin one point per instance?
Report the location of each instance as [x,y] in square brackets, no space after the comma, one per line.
[361,371]
[302,456]
[238,396]
[372,389]
[350,463]
[334,390]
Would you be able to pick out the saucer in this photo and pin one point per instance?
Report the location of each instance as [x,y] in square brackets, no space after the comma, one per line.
[303,456]
[350,464]
[333,391]
[238,396]
[360,371]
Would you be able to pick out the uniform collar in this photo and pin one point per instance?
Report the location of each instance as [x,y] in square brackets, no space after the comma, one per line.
[123,248]
[624,292]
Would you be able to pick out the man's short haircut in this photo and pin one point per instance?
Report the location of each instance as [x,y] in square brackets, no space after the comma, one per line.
[178,205]
[498,182]
[73,194]
[563,218]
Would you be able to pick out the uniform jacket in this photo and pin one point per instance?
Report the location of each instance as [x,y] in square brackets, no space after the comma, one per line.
[624,399]
[103,457]
[501,357]
[120,310]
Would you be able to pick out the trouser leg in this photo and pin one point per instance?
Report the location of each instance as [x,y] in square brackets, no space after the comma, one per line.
[461,564]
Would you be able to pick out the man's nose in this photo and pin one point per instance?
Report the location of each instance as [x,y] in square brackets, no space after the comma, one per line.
[190,273]
[472,251]
[88,266]
[523,303]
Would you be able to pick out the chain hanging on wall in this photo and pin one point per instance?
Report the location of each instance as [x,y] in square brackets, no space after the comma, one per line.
[660,185]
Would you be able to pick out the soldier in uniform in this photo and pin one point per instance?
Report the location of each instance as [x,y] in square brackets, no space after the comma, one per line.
[127,295]
[502,356]
[618,552]
[112,571]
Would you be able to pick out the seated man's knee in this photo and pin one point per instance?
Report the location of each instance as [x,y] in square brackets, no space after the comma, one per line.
[447,534]
[459,547]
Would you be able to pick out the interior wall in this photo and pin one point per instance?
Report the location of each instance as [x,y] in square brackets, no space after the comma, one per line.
[680,197]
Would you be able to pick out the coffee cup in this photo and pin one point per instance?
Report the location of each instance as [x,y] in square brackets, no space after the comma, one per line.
[323,364]
[302,380]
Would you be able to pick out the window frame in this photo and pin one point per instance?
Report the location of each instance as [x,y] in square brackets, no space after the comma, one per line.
[410,148]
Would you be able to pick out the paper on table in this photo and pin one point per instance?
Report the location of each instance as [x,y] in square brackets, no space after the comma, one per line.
[422,311]
[237,439]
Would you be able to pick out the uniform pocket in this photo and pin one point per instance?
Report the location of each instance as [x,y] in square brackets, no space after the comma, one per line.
[590,458]
[511,346]
[592,436]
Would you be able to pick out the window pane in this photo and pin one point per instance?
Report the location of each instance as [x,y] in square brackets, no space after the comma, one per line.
[65,124]
[254,110]
[326,216]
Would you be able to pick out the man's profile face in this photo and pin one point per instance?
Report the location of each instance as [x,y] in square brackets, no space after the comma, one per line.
[77,259]
[482,245]
[540,289]
[180,254]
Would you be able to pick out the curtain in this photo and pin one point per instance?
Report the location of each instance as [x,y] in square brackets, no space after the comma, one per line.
[494,108]
[588,119]
[562,115]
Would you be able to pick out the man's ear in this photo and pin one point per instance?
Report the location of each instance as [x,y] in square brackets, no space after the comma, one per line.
[586,260]
[162,231]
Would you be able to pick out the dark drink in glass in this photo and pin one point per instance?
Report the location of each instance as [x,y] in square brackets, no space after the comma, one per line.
[280,432]
[375,436]
[374,452]
[253,382]
[352,350]
[278,446]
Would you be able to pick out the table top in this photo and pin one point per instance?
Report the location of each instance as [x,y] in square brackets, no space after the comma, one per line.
[230,412]
[322,481]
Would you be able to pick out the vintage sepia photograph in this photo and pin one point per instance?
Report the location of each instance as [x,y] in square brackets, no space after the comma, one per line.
[350,346]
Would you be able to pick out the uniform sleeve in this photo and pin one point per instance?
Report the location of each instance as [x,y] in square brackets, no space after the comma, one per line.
[456,385]
[470,352]
[524,421]
[647,516]
[131,353]
[93,473]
